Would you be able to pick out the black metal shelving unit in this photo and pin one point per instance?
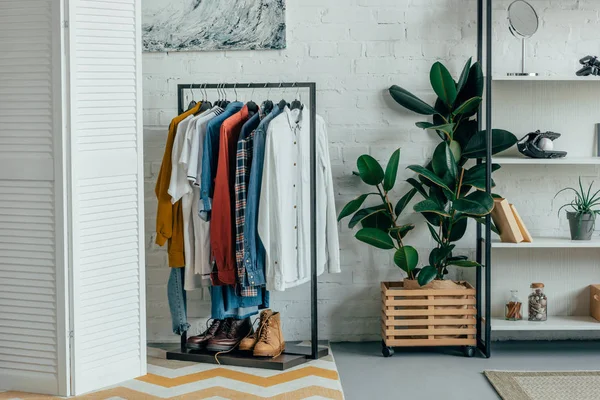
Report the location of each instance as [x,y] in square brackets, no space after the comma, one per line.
[484,234]
[295,353]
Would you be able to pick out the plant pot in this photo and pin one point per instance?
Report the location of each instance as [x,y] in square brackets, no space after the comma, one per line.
[439,314]
[582,225]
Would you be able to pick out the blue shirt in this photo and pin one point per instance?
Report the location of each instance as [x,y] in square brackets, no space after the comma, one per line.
[210,159]
[254,251]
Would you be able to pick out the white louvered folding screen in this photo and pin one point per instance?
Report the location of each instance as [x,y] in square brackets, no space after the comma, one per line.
[33,327]
[107,193]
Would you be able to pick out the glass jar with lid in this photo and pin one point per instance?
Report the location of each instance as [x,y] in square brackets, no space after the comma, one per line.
[538,303]
[513,311]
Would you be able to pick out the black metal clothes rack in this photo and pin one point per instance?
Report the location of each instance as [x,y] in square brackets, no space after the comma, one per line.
[295,354]
[484,236]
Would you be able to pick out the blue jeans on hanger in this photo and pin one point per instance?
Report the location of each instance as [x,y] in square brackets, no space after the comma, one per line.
[177,301]
[227,304]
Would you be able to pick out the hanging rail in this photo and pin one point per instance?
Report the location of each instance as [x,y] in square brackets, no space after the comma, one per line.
[315,351]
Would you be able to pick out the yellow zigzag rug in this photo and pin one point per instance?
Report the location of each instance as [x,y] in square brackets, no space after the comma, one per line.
[167,379]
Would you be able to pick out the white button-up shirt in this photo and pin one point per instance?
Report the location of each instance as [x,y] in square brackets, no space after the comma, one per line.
[284,209]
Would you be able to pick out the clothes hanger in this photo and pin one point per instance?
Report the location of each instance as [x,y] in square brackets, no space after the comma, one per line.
[193,102]
[297,104]
[252,106]
[282,103]
[267,104]
[219,101]
[226,102]
[205,104]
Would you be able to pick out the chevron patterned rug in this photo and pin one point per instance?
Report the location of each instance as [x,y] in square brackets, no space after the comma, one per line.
[180,380]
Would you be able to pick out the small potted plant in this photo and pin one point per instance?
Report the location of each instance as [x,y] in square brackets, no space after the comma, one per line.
[582,212]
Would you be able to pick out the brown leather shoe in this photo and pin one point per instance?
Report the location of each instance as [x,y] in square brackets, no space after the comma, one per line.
[230,334]
[199,342]
[270,341]
[247,344]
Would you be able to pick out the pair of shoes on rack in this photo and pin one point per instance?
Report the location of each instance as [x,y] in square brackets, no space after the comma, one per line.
[221,335]
[268,340]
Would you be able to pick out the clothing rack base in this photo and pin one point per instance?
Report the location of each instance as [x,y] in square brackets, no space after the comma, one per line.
[295,354]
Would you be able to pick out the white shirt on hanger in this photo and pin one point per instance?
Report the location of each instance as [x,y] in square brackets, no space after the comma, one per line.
[180,189]
[284,209]
[199,238]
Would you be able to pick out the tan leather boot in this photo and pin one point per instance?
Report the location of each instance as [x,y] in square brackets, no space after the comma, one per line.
[270,341]
[248,343]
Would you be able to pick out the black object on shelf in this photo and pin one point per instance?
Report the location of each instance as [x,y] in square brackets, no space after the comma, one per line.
[529,145]
[591,66]
[293,355]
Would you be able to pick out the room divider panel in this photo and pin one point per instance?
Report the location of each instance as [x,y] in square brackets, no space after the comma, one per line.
[72,301]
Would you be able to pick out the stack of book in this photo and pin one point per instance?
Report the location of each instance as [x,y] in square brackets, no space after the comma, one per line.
[509,223]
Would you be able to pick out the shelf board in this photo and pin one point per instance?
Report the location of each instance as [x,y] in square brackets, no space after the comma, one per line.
[546,161]
[554,78]
[554,323]
[548,242]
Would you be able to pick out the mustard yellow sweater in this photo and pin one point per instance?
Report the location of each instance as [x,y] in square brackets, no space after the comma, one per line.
[169,217]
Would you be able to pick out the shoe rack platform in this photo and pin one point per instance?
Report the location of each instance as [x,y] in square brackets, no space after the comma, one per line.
[296,353]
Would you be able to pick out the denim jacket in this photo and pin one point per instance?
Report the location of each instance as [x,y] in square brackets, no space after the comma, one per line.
[254,251]
[210,158]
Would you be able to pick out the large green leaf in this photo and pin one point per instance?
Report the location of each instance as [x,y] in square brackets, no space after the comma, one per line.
[446,129]
[456,150]
[410,101]
[380,220]
[401,230]
[465,263]
[369,170]
[475,177]
[440,253]
[375,237]
[424,125]
[443,162]
[443,84]
[403,202]
[417,185]
[464,132]
[458,230]
[426,275]
[434,234]
[361,215]
[430,176]
[429,205]
[501,140]
[464,76]
[406,258]
[468,106]
[481,220]
[474,85]
[476,204]
[352,206]
[478,171]
[391,172]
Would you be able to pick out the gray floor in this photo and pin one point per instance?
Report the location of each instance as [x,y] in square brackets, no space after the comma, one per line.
[435,374]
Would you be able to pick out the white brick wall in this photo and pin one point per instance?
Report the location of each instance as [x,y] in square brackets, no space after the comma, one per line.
[354,50]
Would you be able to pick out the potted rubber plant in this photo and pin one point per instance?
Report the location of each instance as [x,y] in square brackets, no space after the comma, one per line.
[440,312]
[453,194]
[583,211]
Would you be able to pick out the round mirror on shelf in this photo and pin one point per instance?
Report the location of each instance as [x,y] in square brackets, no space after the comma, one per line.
[523,22]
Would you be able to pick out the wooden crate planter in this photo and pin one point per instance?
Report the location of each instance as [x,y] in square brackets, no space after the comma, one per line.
[428,317]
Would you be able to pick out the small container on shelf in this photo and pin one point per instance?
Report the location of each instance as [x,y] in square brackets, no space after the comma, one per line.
[513,309]
[538,303]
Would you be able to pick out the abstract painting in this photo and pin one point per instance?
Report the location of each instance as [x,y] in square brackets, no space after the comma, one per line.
[205,25]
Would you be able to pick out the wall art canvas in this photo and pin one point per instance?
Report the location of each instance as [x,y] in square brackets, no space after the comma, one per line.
[205,25]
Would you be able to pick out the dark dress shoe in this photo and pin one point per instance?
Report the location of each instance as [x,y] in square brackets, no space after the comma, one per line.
[199,342]
[230,334]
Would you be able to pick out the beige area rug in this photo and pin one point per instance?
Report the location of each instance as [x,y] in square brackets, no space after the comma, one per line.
[180,380]
[574,385]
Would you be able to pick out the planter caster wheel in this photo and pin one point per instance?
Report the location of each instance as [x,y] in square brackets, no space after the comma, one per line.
[387,351]
[469,351]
